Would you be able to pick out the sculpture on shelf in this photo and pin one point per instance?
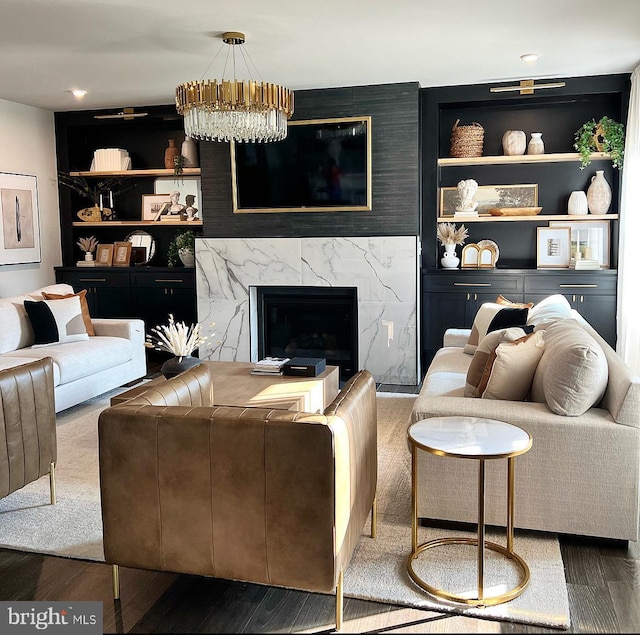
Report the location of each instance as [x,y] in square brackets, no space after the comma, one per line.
[466,191]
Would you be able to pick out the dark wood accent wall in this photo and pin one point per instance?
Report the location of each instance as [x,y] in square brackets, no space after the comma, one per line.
[394,110]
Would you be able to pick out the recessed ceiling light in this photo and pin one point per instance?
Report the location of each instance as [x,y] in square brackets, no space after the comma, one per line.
[78,93]
[530,57]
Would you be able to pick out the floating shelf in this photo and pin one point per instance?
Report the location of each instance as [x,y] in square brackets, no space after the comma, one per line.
[487,218]
[158,172]
[522,158]
[137,223]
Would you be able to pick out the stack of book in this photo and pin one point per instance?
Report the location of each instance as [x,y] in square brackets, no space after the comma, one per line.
[269,366]
[584,263]
[110,160]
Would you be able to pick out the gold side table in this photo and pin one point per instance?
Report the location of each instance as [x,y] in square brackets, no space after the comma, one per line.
[479,439]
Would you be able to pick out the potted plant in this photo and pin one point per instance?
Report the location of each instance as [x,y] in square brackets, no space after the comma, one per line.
[182,248]
[605,135]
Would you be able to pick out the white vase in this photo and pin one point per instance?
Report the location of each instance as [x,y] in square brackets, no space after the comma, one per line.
[450,260]
[577,205]
[536,144]
[599,194]
[189,151]
[514,142]
[88,256]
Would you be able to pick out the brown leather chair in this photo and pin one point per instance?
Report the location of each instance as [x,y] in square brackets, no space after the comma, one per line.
[252,494]
[28,443]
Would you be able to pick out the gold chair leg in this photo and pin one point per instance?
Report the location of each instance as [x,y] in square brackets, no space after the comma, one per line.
[339,602]
[52,482]
[374,517]
[115,570]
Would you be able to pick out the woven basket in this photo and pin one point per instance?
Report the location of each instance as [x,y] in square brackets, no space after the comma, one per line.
[466,141]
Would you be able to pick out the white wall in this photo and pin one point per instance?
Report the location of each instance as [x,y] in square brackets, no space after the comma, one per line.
[27,146]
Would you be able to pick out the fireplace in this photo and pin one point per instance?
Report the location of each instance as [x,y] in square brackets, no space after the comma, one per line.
[302,321]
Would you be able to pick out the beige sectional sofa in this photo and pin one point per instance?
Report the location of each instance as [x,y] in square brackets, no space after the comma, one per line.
[582,473]
[81,369]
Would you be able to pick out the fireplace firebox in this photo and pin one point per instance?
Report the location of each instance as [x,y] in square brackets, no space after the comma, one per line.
[310,322]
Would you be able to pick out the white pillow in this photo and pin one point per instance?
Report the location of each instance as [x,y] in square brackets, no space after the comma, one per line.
[552,308]
[56,321]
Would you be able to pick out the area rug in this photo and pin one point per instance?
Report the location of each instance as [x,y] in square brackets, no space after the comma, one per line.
[73,527]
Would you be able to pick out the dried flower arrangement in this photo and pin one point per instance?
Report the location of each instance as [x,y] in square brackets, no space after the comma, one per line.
[448,234]
[88,244]
[176,338]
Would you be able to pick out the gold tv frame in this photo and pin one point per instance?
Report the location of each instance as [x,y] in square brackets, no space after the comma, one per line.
[326,208]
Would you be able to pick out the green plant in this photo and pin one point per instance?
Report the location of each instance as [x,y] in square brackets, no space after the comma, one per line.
[182,240]
[605,135]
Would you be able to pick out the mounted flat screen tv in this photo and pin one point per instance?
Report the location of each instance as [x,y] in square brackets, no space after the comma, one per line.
[323,165]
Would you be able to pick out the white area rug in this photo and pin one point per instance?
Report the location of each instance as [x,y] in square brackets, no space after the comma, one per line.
[73,527]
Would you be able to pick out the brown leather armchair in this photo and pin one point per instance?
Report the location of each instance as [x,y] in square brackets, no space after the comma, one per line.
[252,494]
[28,443]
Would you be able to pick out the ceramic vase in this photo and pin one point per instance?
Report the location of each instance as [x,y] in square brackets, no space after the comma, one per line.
[189,152]
[178,364]
[450,260]
[170,154]
[187,256]
[577,205]
[599,194]
[88,256]
[514,142]
[536,144]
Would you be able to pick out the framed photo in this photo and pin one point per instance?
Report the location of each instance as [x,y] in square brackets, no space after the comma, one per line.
[524,195]
[553,247]
[19,219]
[186,185]
[590,238]
[153,205]
[121,253]
[104,255]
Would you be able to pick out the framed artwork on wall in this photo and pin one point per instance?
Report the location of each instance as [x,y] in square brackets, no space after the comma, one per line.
[553,247]
[19,219]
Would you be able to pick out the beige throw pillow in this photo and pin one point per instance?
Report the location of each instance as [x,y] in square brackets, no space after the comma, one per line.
[552,308]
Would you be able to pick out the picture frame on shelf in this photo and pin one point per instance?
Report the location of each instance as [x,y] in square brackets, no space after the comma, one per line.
[121,253]
[590,238]
[487,196]
[19,219]
[153,205]
[553,248]
[104,255]
[186,185]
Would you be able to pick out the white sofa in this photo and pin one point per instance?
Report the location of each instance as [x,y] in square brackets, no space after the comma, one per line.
[581,475]
[83,369]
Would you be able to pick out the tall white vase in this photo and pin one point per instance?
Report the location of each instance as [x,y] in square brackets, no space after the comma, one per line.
[577,205]
[599,194]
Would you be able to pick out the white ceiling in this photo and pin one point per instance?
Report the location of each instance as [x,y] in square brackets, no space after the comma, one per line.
[134,52]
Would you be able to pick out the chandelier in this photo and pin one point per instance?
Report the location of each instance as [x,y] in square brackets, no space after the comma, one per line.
[234,110]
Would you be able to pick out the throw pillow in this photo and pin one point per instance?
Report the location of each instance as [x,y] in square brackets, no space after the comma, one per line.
[509,373]
[492,317]
[552,308]
[83,304]
[483,354]
[518,305]
[573,372]
[56,321]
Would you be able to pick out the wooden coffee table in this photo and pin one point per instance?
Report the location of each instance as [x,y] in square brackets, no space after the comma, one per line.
[234,385]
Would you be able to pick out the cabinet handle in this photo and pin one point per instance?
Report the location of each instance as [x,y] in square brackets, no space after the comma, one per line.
[578,286]
[92,279]
[471,284]
[171,280]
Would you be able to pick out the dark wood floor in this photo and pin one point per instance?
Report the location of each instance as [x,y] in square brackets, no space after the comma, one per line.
[603,580]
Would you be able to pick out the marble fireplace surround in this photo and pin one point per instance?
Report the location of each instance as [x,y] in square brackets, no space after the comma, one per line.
[384,269]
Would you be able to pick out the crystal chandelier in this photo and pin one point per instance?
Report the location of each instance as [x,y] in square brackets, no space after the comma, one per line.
[234,110]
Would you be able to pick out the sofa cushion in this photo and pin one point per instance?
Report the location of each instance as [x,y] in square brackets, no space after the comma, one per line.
[86,316]
[56,321]
[510,371]
[486,352]
[492,317]
[573,372]
[555,307]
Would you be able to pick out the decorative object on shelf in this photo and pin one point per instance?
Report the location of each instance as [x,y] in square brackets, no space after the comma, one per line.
[90,215]
[183,241]
[577,205]
[110,160]
[142,240]
[589,241]
[466,141]
[153,205]
[189,153]
[481,255]
[488,196]
[606,135]
[121,253]
[180,340]
[234,110]
[536,144]
[599,194]
[104,255]
[483,244]
[553,247]
[514,142]
[514,211]
[449,235]
[88,244]
[96,193]
[466,191]
[190,210]
[170,155]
